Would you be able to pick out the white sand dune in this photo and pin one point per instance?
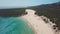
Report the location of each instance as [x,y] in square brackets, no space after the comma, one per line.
[36,22]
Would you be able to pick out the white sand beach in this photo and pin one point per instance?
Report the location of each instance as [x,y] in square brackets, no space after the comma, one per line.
[36,22]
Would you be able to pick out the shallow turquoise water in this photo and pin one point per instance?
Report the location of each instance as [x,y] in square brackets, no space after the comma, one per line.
[14,25]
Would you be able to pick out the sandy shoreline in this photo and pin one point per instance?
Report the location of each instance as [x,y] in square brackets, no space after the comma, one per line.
[37,24]
[28,24]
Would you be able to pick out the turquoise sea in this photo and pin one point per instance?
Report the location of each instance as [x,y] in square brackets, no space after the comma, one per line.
[13,25]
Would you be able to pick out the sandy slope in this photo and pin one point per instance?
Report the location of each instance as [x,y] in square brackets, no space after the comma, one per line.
[39,26]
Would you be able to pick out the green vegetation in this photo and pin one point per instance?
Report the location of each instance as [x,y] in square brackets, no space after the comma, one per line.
[12,12]
[52,11]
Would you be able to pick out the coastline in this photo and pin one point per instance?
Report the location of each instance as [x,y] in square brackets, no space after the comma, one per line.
[37,23]
[26,21]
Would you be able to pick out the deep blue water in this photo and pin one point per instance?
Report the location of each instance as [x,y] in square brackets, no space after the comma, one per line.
[13,25]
